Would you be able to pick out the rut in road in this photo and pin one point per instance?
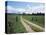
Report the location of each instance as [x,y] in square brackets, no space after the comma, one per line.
[27,27]
[34,25]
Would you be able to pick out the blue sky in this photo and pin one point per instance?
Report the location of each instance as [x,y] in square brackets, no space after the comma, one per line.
[23,6]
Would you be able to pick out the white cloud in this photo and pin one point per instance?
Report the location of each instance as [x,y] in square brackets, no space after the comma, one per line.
[20,9]
[10,8]
[38,9]
[28,6]
[14,10]
[28,10]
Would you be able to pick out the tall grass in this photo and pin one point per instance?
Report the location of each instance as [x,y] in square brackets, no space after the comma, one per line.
[14,25]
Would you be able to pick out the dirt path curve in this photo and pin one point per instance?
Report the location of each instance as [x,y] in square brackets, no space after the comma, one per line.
[27,27]
[34,25]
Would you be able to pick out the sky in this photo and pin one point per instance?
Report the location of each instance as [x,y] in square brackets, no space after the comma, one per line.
[28,0]
[27,7]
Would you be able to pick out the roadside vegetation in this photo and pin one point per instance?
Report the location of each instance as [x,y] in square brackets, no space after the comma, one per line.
[37,19]
[14,25]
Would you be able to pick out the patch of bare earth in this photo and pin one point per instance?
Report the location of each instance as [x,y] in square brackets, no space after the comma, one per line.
[27,27]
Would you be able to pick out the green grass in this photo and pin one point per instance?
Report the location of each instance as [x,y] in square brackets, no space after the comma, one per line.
[39,19]
[14,25]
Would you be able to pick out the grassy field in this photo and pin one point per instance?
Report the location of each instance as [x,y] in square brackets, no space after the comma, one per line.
[37,19]
[14,25]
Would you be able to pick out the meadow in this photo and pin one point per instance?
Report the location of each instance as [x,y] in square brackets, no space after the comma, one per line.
[14,24]
[37,19]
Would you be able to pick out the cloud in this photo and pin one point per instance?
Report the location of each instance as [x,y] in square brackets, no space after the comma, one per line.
[20,9]
[27,11]
[10,9]
[38,9]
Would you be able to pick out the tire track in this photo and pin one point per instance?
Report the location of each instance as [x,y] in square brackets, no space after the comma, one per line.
[34,25]
[27,27]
